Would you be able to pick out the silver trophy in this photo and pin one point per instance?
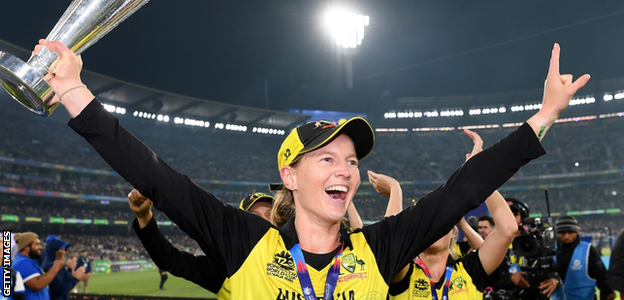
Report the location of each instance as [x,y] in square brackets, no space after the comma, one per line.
[83,23]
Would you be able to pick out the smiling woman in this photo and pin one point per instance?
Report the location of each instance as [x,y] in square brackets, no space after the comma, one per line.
[318,165]
[340,157]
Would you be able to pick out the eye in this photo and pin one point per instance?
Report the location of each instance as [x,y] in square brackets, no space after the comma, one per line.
[327,159]
[353,163]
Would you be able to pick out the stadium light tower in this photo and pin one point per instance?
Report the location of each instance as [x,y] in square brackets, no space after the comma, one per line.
[346,28]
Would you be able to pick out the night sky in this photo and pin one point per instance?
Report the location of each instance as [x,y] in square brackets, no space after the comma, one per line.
[243,52]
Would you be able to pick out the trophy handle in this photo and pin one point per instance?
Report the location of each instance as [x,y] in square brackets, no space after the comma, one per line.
[82,25]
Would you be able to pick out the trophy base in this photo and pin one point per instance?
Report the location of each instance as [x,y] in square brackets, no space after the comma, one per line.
[25,85]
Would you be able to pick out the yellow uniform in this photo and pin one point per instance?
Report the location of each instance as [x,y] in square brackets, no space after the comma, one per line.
[247,256]
[466,282]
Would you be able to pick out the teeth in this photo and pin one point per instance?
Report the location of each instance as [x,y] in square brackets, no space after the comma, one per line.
[337,188]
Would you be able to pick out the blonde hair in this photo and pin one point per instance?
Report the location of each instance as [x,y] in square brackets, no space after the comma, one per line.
[283,208]
[284,203]
[452,248]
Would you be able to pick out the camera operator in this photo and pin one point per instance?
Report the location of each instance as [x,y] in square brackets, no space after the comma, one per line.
[529,268]
[580,265]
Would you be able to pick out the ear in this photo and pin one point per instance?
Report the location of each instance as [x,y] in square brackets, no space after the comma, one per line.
[288,175]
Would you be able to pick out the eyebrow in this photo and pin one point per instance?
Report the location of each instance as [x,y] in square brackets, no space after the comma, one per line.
[333,153]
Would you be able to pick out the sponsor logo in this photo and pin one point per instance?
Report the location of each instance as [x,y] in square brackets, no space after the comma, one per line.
[421,289]
[576,265]
[421,284]
[282,266]
[351,277]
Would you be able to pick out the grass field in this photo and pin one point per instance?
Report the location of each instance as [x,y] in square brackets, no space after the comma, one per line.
[144,283]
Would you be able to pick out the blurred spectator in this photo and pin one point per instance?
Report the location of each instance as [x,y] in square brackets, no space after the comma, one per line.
[27,264]
[615,275]
[84,261]
[68,276]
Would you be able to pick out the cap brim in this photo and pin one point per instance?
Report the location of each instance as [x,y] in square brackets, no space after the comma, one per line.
[357,128]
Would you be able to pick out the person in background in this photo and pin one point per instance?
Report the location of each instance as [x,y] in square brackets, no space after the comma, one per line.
[67,277]
[84,261]
[579,265]
[615,275]
[512,280]
[259,204]
[438,272]
[163,278]
[27,264]
[486,225]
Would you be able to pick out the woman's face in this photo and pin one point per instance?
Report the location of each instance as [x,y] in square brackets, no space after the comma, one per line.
[325,181]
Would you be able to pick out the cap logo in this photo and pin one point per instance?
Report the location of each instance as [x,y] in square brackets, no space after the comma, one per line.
[287,154]
[324,124]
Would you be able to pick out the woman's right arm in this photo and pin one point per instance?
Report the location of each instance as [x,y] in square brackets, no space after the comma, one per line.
[200,214]
[405,235]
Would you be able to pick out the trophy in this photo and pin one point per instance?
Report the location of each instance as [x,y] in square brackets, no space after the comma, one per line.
[83,23]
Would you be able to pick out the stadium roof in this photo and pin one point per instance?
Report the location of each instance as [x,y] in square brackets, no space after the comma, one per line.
[273,55]
[140,98]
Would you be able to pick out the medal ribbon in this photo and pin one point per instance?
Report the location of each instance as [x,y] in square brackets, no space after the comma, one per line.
[304,276]
[447,280]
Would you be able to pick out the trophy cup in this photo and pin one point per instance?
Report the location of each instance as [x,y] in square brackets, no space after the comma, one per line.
[83,23]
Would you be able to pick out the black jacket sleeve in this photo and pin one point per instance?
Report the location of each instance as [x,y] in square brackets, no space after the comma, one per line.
[598,271]
[398,239]
[200,270]
[198,213]
[474,267]
[615,275]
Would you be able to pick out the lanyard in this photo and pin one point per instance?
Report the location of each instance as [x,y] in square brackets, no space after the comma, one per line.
[447,280]
[304,276]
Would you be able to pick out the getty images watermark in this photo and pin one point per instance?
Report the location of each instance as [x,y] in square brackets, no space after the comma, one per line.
[6,263]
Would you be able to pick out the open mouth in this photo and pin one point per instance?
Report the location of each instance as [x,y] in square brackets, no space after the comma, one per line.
[337,192]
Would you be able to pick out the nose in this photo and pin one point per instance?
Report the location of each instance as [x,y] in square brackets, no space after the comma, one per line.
[344,170]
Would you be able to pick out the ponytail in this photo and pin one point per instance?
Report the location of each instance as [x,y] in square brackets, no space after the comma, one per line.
[283,208]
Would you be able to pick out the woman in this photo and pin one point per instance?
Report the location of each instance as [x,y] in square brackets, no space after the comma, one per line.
[437,273]
[318,165]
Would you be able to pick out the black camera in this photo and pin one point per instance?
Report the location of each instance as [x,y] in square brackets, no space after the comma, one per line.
[536,248]
[534,253]
[538,242]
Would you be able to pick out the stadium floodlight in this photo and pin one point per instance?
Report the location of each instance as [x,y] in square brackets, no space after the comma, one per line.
[346,28]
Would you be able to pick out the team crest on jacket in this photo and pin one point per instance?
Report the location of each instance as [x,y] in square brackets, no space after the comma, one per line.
[355,267]
[282,266]
[351,263]
[458,285]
